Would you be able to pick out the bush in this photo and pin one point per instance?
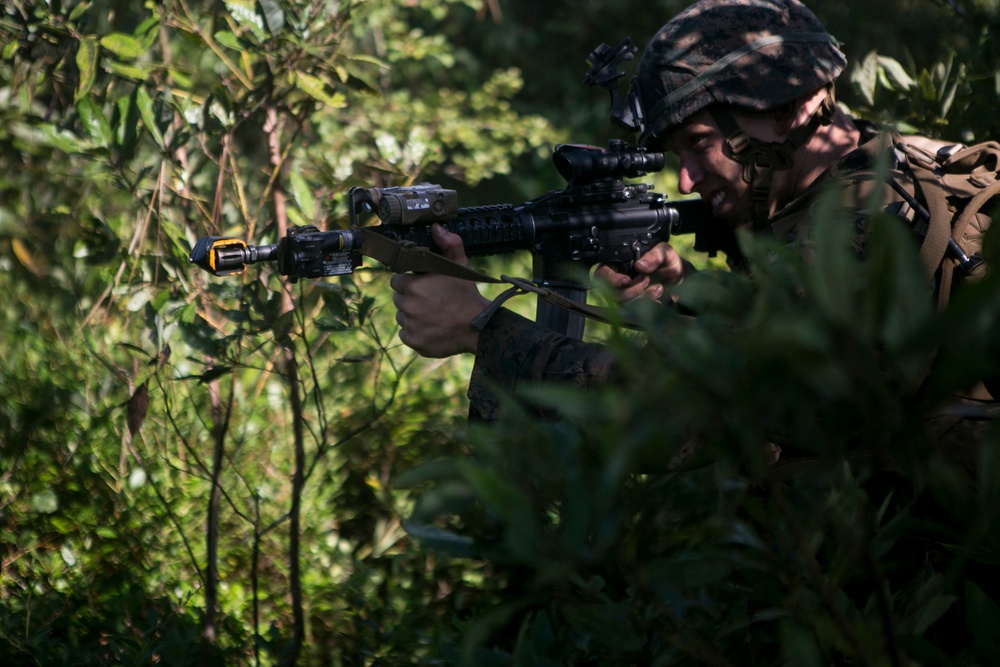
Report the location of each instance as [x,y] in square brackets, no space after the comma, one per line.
[864,543]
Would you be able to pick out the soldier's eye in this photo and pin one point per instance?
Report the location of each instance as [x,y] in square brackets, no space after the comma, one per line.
[698,142]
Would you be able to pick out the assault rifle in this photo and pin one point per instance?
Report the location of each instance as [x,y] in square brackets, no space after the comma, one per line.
[597,218]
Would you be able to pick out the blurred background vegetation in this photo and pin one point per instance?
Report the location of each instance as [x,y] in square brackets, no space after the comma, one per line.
[239,471]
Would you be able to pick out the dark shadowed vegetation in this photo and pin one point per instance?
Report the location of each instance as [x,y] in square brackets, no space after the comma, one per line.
[241,471]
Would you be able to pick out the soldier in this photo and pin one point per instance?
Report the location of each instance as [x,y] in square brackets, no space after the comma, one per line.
[742,91]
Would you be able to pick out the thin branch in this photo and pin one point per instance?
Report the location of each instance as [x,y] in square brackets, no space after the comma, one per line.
[220,425]
[271,131]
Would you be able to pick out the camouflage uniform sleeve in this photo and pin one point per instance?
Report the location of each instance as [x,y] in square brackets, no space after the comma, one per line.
[515,352]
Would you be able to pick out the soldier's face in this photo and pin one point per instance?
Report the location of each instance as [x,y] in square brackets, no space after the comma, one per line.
[706,165]
[706,169]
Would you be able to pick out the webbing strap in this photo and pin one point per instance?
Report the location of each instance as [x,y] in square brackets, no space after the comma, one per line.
[973,208]
[966,217]
[522,286]
[404,258]
[935,243]
[760,159]
[943,226]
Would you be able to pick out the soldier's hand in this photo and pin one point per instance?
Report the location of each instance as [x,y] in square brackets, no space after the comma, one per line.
[434,312]
[659,266]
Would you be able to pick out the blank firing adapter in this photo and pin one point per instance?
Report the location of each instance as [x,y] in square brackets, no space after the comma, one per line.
[225,256]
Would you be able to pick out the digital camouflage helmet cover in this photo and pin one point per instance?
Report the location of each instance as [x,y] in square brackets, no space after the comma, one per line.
[751,54]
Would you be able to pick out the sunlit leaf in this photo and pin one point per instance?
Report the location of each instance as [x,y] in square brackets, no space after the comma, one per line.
[229,40]
[895,73]
[864,77]
[134,72]
[136,478]
[45,502]
[25,257]
[95,122]
[86,62]
[145,105]
[273,15]
[67,555]
[246,15]
[317,89]
[123,46]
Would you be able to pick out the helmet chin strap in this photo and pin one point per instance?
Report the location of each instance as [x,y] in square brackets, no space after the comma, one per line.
[760,159]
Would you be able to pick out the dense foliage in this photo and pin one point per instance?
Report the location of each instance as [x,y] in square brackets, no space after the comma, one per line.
[242,471]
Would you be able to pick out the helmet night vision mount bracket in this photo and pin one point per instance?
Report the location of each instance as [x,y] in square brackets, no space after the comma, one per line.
[604,62]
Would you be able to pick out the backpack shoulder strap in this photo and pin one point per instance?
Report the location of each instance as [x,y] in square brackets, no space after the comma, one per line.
[955,182]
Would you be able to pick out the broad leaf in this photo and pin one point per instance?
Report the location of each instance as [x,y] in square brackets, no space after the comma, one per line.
[86,62]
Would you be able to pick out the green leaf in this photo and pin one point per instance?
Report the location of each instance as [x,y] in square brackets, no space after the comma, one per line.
[610,625]
[864,77]
[927,87]
[127,71]
[45,502]
[895,73]
[137,478]
[435,470]
[928,605]
[229,40]
[123,46]
[145,105]
[213,373]
[316,88]
[78,11]
[95,122]
[273,15]
[690,570]
[302,194]
[146,33]
[835,271]
[125,123]
[983,617]
[504,500]
[949,97]
[364,309]
[67,554]
[438,538]
[932,610]
[296,218]
[798,645]
[47,134]
[331,324]
[86,62]
[445,498]
[246,16]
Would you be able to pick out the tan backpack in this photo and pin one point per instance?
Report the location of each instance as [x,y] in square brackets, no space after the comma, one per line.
[956,183]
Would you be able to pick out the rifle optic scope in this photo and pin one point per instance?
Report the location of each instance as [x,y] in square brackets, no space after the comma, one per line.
[583,164]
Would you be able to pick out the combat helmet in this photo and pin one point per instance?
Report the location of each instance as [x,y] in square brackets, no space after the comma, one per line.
[749,54]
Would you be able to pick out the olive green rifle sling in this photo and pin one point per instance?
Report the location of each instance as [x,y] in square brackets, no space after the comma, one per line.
[406,258]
